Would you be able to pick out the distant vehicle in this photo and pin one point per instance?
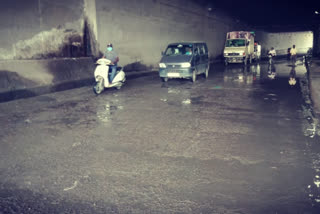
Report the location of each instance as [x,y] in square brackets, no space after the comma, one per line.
[240,47]
[184,60]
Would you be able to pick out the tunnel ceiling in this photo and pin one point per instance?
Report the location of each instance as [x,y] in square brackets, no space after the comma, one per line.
[281,13]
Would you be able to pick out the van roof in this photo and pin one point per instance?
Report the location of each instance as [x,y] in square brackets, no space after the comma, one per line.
[186,42]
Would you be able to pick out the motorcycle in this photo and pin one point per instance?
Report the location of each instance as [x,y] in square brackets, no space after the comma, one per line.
[102,76]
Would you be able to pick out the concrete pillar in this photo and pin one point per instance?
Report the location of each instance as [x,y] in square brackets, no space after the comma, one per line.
[316,40]
[90,33]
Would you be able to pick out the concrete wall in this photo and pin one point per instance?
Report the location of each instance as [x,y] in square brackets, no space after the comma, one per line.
[40,28]
[284,40]
[90,37]
[22,78]
[141,29]
[52,31]
[316,40]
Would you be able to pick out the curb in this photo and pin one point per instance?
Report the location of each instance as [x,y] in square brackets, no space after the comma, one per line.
[67,85]
[314,86]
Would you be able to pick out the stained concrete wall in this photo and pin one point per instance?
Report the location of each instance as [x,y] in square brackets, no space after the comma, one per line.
[40,28]
[50,31]
[141,29]
[283,40]
[90,36]
[23,78]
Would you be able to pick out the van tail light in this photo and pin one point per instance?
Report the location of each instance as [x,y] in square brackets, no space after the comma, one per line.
[244,53]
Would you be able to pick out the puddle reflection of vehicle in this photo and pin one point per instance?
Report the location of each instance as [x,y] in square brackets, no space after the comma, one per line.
[256,72]
[241,74]
[292,77]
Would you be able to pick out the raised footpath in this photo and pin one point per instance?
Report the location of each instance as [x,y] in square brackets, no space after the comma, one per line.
[27,78]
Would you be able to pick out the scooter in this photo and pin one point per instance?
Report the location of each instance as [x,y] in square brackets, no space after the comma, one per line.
[101,75]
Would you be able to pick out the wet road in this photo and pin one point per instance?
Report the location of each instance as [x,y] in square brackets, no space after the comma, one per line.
[234,143]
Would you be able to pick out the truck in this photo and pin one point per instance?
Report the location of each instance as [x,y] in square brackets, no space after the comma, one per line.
[240,47]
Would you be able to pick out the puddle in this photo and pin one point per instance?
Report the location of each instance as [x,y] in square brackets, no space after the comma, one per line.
[173,91]
[186,101]
[106,112]
[164,100]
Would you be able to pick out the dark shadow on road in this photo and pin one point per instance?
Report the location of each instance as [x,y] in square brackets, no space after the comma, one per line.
[16,200]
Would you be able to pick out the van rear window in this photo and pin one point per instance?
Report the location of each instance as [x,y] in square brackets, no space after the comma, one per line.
[179,49]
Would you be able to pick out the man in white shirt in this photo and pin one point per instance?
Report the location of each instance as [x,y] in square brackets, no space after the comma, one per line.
[293,53]
[272,52]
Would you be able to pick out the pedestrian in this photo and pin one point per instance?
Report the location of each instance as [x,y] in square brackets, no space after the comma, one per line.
[111,55]
[288,54]
[293,53]
[271,54]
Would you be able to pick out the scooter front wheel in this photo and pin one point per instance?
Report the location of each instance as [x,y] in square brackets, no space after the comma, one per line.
[99,86]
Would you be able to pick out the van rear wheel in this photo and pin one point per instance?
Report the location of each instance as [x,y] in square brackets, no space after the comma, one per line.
[194,76]
[206,73]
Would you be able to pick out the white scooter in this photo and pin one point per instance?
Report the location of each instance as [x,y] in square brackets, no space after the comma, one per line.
[101,75]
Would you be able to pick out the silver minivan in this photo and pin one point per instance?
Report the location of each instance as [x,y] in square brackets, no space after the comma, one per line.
[184,60]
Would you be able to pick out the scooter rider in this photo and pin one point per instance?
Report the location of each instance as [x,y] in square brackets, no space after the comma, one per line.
[111,55]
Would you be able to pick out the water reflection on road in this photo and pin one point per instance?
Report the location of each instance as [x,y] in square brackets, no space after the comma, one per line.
[285,76]
[259,72]
[242,74]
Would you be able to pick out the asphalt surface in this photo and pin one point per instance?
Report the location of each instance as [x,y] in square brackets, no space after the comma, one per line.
[237,142]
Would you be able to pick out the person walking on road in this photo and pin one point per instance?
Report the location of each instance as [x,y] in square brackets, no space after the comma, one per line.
[293,53]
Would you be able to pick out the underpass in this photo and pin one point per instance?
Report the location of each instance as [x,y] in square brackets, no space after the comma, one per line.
[233,143]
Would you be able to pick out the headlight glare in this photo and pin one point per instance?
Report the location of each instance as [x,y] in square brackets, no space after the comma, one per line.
[162,65]
[185,65]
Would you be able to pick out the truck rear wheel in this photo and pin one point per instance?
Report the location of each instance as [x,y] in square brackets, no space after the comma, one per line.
[245,61]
